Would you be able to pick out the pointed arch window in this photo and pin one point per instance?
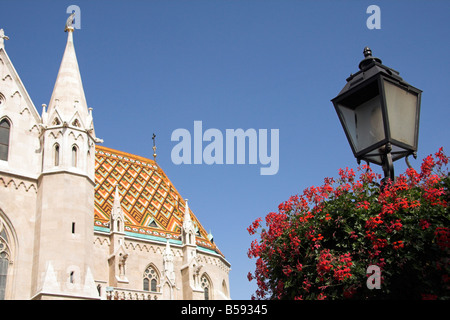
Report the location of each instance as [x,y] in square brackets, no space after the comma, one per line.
[151,279]
[5,128]
[206,286]
[74,156]
[4,260]
[56,155]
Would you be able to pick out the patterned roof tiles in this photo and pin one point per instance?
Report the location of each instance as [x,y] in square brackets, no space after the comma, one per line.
[151,204]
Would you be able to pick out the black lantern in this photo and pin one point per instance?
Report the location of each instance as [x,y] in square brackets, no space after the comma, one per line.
[379,112]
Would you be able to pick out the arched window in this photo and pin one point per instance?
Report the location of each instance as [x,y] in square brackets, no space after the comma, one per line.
[56,155]
[74,156]
[4,260]
[224,288]
[5,127]
[206,286]
[151,279]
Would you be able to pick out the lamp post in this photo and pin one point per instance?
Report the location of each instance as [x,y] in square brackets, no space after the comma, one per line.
[379,112]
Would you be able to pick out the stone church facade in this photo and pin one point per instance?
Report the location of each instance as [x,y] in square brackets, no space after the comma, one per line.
[82,221]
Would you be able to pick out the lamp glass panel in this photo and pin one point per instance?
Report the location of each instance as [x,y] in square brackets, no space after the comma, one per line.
[364,123]
[402,111]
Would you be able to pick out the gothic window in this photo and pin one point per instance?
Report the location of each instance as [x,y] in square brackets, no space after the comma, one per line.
[5,127]
[206,286]
[151,279]
[56,155]
[74,156]
[2,100]
[4,260]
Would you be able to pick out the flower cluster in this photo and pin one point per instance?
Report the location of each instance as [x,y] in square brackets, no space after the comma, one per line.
[320,243]
[442,237]
[337,268]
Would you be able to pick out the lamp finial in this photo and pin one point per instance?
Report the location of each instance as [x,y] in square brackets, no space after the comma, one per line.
[367,52]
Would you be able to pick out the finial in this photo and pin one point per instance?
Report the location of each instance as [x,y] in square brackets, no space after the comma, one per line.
[154,147]
[368,59]
[69,23]
[3,38]
[367,52]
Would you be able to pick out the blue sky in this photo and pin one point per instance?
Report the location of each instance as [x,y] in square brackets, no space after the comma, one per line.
[155,66]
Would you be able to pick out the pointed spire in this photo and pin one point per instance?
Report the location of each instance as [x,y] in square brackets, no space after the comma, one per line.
[188,227]
[187,216]
[117,217]
[68,93]
[116,198]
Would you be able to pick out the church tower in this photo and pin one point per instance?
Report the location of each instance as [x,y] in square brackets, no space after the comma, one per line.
[65,199]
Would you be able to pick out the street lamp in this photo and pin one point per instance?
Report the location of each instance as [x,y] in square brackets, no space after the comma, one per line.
[379,112]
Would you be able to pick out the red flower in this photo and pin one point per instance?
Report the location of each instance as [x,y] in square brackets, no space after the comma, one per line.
[427,166]
[424,224]
[321,296]
[398,244]
[255,224]
[442,158]
[442,237]
[300,244]
[395,225]
[364,204]
[373,222]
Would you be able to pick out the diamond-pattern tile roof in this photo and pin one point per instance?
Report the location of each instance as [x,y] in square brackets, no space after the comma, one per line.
[152,206]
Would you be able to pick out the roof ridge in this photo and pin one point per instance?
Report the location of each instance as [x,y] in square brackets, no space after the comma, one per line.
[103,148]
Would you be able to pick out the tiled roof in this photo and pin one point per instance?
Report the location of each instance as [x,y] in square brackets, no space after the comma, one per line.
[152,206]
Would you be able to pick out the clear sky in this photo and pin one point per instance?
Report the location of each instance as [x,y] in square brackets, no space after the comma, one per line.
[155,66]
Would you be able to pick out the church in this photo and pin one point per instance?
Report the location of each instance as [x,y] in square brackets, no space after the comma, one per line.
[79,220]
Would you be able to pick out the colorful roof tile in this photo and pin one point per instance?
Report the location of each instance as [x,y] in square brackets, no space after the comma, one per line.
[152,207]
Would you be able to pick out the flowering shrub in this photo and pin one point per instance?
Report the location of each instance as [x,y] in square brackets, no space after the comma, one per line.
[320,243]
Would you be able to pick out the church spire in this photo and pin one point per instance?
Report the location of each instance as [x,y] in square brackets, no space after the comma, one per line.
[188,233]
[187,223]
[68,97]
[117,217]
